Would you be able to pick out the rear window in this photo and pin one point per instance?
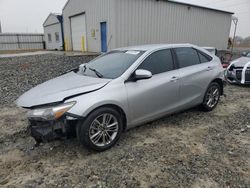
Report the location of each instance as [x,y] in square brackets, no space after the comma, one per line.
[204,58]
[187,57]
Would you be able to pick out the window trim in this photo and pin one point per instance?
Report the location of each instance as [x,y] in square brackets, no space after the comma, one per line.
[172,55]
[204,54]
[57,35]
[197,51]
[49,37]
[130,77]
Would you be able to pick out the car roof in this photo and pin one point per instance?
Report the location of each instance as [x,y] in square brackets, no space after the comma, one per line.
[151,47]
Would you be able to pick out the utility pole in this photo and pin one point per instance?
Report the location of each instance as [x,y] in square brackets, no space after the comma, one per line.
[0,27]
[235,21]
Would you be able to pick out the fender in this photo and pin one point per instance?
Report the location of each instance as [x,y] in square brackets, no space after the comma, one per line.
[232,64]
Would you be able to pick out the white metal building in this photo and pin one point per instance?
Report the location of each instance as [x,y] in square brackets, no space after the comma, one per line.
[101,25]
[53,32]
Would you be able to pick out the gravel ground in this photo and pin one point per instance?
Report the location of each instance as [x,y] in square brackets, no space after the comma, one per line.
[19,74]
[189,149]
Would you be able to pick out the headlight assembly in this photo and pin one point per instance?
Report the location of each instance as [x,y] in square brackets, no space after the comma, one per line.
[50,113]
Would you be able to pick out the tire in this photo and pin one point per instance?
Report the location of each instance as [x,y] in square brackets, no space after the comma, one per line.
[87,130]
[213,93]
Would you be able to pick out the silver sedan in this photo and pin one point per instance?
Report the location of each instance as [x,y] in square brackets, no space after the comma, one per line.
[122,89]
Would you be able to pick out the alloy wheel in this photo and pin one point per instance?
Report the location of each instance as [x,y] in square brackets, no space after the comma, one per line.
[103,130]
[213,96]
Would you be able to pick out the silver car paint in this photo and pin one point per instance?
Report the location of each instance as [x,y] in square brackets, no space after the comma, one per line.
[154,97]
[145,100]
[59,88]
[195,80]
[158,96]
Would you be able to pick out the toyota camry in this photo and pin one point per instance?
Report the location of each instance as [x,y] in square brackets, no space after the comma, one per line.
[122,89]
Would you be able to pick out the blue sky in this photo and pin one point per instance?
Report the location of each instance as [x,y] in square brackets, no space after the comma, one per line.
[28,15]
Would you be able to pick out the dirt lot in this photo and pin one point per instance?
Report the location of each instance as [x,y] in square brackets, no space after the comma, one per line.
[189,149]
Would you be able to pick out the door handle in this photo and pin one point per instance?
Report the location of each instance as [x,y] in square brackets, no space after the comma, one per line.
[174,79]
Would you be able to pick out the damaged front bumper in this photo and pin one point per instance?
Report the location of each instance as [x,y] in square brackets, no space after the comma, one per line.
[52,121]
[46,131]
[239,76]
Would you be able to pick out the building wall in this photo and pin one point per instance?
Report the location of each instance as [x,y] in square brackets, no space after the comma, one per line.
[148,21]
[51,26]
[96,11]
[136,22]
[52,29]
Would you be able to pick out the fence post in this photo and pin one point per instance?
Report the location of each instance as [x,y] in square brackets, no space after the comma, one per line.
[18,41]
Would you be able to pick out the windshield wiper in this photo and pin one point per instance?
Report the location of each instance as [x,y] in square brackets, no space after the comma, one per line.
[96,72]
[84,66]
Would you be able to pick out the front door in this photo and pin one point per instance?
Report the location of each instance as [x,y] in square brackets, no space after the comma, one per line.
[151,98]
[104,36]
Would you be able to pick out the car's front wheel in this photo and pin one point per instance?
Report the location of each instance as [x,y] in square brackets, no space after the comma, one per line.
[101,129]
[212,97]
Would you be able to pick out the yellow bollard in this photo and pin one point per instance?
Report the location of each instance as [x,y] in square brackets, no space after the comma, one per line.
[66,41]
[83,44]
[65,44]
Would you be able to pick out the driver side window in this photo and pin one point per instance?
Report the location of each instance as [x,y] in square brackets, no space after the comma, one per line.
[158,62]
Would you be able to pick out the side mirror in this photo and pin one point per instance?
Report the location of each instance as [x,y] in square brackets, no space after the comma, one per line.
[142,74]
[244,54]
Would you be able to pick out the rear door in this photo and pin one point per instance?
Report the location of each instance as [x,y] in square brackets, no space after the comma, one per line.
[195,74]
[154,97]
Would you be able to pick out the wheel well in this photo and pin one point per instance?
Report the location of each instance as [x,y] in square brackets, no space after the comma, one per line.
[220,82]
[118,109]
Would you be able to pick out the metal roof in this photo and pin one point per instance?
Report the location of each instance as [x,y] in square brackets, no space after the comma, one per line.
[182,3]
[56,15]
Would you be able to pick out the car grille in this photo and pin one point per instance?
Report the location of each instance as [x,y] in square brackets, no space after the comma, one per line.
[239,75]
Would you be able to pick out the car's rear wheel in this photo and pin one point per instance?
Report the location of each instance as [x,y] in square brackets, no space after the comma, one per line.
[101,129]
[212,97]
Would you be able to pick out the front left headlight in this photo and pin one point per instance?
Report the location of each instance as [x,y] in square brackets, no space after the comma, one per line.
[50,113]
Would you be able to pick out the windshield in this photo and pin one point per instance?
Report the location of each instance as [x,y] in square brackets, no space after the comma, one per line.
[248,54]
[110,65]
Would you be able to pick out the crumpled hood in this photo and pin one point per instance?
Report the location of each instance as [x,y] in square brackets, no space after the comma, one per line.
[59,88]
[241,62]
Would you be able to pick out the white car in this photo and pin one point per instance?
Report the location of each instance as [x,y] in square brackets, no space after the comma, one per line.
[239,70]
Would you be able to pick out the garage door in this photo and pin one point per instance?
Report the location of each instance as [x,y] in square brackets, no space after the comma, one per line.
[78,33]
